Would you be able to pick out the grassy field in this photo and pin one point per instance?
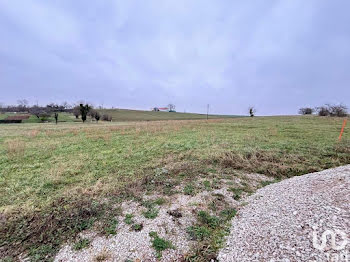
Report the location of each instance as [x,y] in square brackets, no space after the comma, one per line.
[63,117]
[122,115]
[57,178]
[139,115]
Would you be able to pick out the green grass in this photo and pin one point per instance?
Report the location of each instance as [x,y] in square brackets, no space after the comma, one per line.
[160,244]
[140,115]
[209,232]
[63,169]
[81,244]
[128,219]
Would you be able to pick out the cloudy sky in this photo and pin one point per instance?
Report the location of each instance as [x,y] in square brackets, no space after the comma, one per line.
[275,55]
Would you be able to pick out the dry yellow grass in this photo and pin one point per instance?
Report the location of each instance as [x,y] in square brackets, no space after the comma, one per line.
[15,148]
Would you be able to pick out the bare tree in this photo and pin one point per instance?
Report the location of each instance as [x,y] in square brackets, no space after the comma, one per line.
[92,113]
[106,117]
[332,110]
[171,107]
[22,105]
[76,111]
[306,111]
[338,110]
[252,111]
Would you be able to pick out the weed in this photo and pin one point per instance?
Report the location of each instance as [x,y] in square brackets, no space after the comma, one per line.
[160,201]
[207,185]
[189,190]
[237,192]
[104,255]
[198,233]
[137,227]
[266,183]
[207,219]
[209,233]
[160,244]
[228,214]
[128,219]
[110,228]
[81,244]
[151,213]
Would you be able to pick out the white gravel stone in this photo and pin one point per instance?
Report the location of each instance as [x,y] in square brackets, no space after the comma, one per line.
[280,220]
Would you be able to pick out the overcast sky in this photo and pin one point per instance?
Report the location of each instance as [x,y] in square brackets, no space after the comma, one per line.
[275,55]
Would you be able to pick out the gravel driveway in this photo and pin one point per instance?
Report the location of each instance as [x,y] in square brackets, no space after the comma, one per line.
[295,220]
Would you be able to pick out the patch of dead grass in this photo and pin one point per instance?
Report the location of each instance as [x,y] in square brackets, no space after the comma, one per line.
[15,148]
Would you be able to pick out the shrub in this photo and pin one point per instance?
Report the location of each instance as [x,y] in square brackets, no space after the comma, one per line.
[332,110]
[106,117]
[97,116]
[76,112]
[338,110]
[306,111]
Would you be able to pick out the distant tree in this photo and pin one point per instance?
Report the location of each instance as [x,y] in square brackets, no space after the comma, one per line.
[84,110]
[36,110]
[92,113]
[76,111]
[171,107]
[306,111]
[252,111]
[97,116]
[22,105]
[323,111]
[44,116]
[65,105]
[338,110]
[106,117]
[56,117]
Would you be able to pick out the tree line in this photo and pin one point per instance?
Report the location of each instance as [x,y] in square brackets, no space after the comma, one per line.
[325,110]
[44,112]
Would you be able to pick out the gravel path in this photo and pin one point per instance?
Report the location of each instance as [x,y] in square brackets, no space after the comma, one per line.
[286,221]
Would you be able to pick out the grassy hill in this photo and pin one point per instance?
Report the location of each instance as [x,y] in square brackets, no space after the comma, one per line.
[140,115]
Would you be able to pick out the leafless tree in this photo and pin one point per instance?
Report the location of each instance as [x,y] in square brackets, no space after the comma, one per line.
[76,111]
[306,111]
[171,107]
[338,110]
[252,111]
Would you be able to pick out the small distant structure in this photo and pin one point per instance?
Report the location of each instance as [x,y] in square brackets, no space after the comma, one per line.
[157,109]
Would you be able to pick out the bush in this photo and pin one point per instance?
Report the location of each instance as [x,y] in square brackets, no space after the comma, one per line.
[306,111]
[332,110]
[106,117]
[338,110]
[323,111]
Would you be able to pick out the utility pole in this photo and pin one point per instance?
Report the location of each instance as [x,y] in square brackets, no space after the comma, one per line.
[208,111]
